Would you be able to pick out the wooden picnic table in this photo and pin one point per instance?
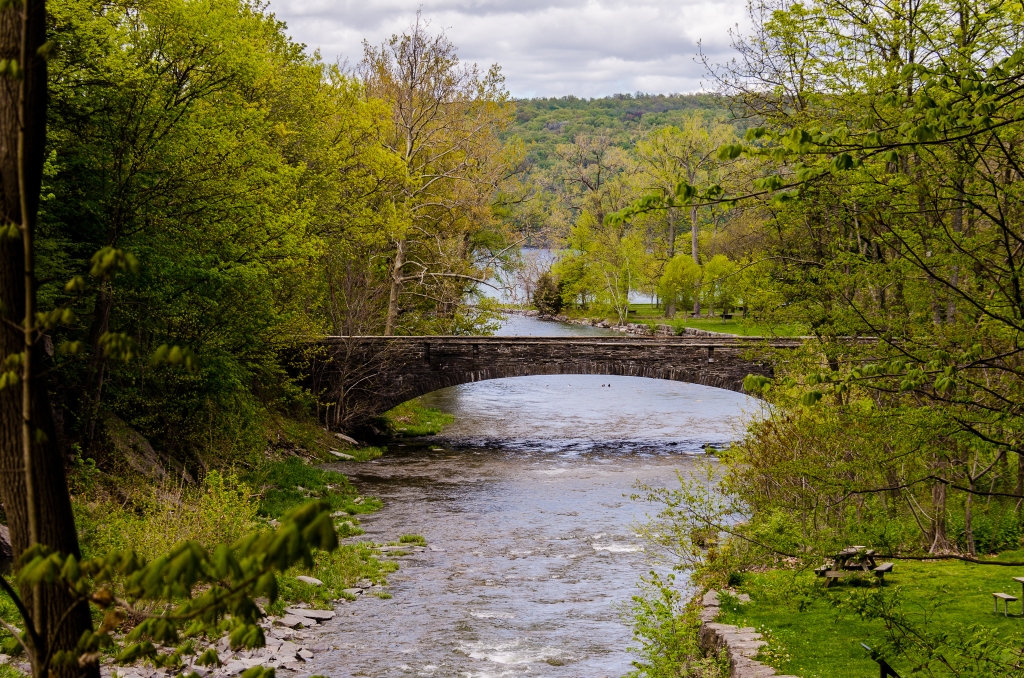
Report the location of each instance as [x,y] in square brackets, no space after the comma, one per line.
[855,558]
[1021,580]
[850,558]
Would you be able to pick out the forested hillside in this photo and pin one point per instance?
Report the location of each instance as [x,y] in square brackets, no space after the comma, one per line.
[542,124]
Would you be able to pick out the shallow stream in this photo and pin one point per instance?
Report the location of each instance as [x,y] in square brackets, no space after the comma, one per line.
[524,503]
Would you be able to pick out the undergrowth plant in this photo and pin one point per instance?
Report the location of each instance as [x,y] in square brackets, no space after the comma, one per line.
[665,632]
[175,599]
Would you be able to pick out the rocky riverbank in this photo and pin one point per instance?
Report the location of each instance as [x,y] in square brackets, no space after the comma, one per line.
[294,640]
[638,329]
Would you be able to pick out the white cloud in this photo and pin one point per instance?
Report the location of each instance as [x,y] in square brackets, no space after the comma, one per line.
[546,48]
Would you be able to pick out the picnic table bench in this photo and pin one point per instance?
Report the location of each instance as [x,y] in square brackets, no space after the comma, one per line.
[1006,598]
[881,570]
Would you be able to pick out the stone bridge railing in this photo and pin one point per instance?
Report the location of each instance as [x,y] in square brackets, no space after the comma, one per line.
[362,377]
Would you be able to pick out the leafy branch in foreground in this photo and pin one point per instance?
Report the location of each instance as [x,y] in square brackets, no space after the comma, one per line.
[191,593]
[975,650]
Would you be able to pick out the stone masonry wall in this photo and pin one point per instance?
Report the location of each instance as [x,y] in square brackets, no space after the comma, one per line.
[741,644]
[377,373]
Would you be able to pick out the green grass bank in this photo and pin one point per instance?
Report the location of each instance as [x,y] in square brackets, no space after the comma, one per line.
[814,632]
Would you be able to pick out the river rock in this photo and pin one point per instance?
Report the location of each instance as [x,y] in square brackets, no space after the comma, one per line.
[319,615]
[342,455]
[310,580]
[292,621]
[305,654]
[287,651]
[234,666]
[350,441]
[353,592]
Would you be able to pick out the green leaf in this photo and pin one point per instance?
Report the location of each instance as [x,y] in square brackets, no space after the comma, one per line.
[107,261]
[119,346]
[810,398]
[730,151]
[135,652]
[843,162]
[209,658]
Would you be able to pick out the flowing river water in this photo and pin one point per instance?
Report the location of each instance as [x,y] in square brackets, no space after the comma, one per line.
[532,555]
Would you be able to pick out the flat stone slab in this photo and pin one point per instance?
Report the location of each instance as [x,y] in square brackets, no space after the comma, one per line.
[292,621]
[310,580]
[319,615]
[740,643]
[747,649]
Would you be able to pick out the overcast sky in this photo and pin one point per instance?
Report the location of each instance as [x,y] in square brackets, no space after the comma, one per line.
[589,48]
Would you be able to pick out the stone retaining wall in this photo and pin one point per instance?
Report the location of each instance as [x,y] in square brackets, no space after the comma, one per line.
[741,644]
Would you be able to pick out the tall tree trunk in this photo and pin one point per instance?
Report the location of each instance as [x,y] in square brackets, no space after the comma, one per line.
[696,258]
[969,523]
[670,302]
[1018,489]
[397,277]
[940,540]
[32,484]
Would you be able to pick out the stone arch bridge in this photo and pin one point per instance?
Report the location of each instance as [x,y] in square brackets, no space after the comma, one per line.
[362,377]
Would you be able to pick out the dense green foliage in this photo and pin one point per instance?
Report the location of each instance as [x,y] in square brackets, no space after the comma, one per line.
[261,195]
[882,172]
[589,159]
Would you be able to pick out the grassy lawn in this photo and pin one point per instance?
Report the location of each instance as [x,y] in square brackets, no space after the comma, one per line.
[812,638]
[735,325]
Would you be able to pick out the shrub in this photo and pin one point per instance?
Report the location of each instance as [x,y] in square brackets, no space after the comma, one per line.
[221,510]
[547,297]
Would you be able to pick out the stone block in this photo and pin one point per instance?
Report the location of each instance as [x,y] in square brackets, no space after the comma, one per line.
[292,621]
[319,615]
